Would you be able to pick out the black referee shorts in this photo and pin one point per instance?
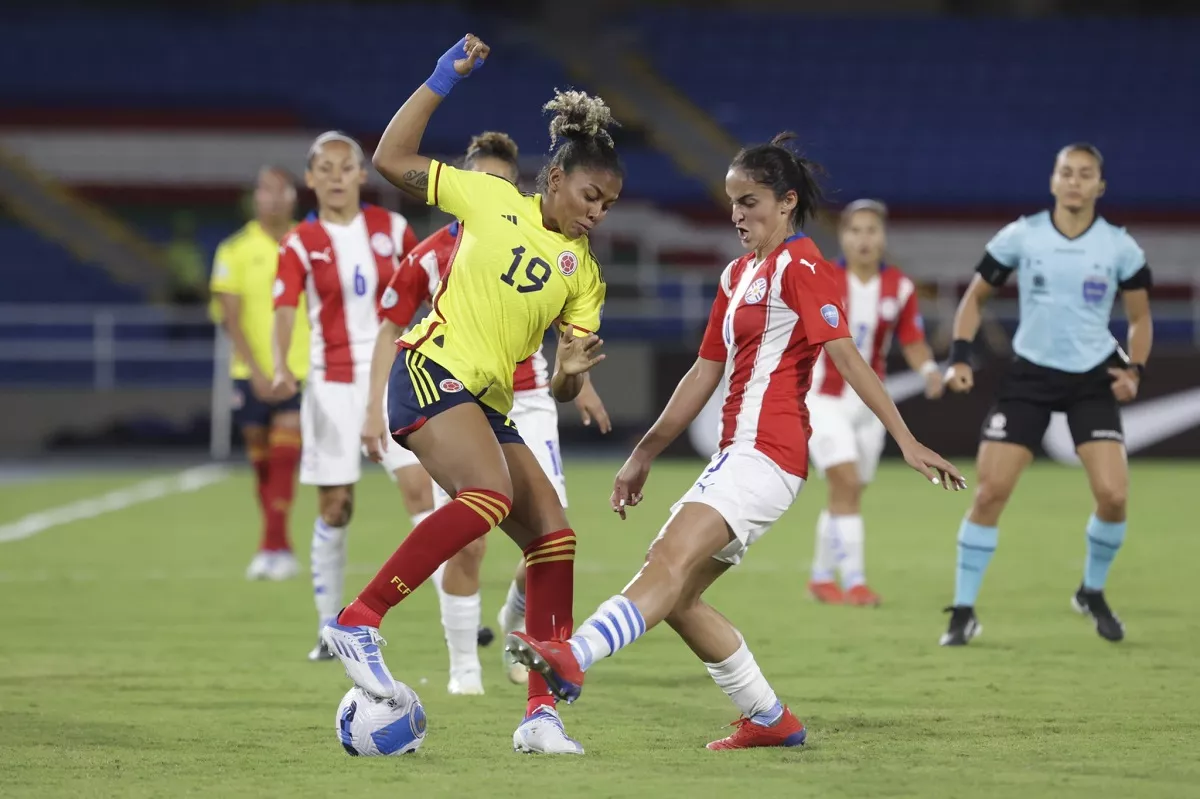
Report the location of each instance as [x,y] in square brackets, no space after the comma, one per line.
[1030,393]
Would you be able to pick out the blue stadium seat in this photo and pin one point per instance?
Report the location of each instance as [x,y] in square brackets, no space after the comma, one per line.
[36,270]
[949,111]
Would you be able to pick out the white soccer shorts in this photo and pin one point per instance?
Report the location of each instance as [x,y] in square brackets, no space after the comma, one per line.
[844,430]
[331,421]
[750,492]
[535,413]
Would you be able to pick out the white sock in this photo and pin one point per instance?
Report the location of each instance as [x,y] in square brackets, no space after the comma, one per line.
[460,621]
[514,604]
[742,681]
[850,563]
[616,624]
[825,559]
[328,557]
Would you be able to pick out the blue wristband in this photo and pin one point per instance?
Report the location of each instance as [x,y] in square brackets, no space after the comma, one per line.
[444,76]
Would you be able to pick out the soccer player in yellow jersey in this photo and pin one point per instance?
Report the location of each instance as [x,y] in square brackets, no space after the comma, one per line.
[242,280]
[521,265]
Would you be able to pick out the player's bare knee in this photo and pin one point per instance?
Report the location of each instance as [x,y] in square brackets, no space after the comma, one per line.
[845,489]
[667,560]
[337,507]
[990,498]
[471,556]
[1110,501]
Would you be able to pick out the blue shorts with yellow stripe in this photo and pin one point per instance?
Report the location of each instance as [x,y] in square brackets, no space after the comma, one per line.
[419,389]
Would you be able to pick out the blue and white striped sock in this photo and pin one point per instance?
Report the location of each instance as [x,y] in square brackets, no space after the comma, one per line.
[328,557]
[615,625]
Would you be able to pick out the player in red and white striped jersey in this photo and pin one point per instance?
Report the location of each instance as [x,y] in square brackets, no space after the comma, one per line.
[847,438]
[534,411]
[341,259]
[778,308]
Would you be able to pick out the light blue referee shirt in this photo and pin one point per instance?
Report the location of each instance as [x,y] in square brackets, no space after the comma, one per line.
[1066,286]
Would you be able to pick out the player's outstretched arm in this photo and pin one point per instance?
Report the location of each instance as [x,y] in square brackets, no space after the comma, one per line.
[396,157]
[688,399]
[866,384]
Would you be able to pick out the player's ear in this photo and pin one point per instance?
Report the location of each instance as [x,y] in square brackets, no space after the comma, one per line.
[1103,186]
[362,176]
[308,179]
[554,179]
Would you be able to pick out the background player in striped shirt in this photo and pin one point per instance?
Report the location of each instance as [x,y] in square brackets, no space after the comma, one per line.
[777,309]
[339,260]
[242,279]
[1071,264]
[847,438]
[534,412]
[522,264]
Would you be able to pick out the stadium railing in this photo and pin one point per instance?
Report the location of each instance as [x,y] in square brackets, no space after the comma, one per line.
[107,347]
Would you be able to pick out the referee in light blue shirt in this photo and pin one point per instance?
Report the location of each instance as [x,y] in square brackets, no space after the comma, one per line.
[1070,264]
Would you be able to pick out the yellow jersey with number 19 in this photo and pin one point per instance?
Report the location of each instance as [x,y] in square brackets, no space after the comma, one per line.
[508,280]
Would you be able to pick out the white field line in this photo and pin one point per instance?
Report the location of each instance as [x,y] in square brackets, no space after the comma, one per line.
[188,480]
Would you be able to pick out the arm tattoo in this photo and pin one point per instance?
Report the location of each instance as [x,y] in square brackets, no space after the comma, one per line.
[416,180]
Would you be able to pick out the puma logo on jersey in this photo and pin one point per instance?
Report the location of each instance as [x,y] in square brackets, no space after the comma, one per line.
[510,217]
[325,255]
[810,265]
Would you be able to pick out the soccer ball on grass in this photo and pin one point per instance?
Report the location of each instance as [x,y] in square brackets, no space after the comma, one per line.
[369,726]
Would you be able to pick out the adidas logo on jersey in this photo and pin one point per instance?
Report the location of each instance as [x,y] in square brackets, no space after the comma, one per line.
[510,217]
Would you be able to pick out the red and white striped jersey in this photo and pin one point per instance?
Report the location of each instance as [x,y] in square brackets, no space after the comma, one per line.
[767,325]
[343,270]
[415,283]
[881,308]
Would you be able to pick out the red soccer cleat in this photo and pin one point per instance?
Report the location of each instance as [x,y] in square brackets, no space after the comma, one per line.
[788,731]
[863,596]
[554,660]
[826,592]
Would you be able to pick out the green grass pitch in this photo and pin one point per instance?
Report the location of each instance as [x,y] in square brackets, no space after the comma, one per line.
[137,662]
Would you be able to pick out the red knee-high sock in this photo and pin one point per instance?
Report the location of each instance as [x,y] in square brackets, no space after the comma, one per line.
[262,470]
[432,542]
[283,457]
[549,592]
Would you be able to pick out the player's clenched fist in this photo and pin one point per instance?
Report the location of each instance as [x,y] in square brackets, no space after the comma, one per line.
[476,53]
[960,378]
[464,57]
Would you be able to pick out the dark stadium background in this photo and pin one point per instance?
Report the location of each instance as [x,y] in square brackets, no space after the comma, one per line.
[128,126]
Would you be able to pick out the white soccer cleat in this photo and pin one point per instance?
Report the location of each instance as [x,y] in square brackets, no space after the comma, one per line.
[260,566]
[358,649]
[282,566]
[466,683]
[543,734]
[508,621]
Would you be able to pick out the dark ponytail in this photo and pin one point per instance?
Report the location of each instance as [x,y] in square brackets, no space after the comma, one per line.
[779,166]
[581,122]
